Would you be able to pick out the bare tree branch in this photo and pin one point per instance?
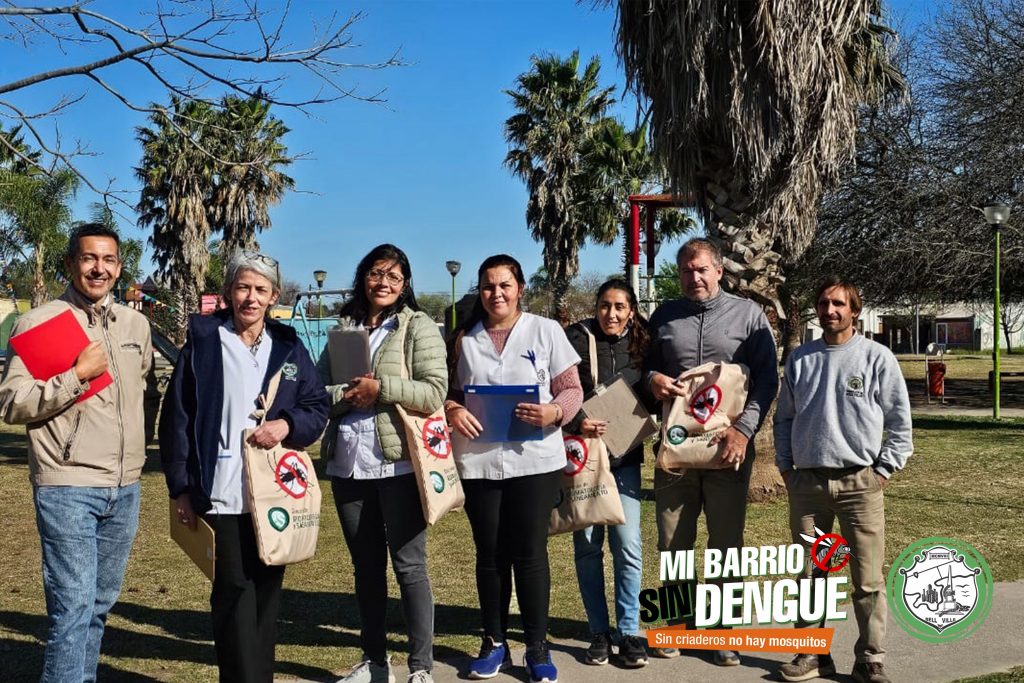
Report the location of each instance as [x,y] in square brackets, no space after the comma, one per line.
[193,49]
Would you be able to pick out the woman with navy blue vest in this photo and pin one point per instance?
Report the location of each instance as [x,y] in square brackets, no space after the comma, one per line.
[226,364]
[511,486]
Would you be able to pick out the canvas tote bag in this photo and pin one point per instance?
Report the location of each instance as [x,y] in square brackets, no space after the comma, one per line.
[284,496]
[588,494]
[714,396]
[430,449]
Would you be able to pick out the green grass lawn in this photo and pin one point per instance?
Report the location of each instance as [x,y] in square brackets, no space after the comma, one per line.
[965,481]
[973,366]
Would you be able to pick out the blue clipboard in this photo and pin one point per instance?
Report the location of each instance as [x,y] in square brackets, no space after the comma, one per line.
[494,405]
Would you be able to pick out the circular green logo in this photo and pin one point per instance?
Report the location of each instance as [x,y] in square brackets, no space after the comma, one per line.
[855,384]
[438,481]
[940,589]
[677,434]
[279,518]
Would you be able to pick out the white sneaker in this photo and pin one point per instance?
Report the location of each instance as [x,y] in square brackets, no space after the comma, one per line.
[368,672]
[421,676]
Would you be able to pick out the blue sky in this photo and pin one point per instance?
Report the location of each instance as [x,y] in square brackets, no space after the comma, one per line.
[423,170]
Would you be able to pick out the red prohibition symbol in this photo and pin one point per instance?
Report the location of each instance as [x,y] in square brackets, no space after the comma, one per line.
[291,476]
[436,437]
[832,543]
[575,455]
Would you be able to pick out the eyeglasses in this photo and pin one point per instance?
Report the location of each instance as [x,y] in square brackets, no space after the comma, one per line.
[393,279]
[264,259]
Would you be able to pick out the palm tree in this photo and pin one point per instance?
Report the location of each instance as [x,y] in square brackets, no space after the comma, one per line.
[34,212]
[619,163]
[207,169]
[558,113]
[753,109]
[252,180]
[177,175]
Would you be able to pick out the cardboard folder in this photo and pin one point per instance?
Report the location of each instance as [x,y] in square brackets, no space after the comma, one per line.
[197,543]
[349,351]
[494,406]
[52,347]
[629,423]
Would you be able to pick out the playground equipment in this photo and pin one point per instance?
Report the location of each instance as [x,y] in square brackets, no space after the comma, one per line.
[313,331]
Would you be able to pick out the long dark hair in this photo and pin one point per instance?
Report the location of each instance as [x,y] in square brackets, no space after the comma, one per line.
[639,337]
[358,307]
[479,313]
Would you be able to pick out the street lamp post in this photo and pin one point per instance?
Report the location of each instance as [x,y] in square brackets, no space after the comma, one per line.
[319,276]
[453,268]
[996,215]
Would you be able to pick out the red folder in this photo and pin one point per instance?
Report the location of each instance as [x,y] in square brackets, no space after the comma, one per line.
[53,347]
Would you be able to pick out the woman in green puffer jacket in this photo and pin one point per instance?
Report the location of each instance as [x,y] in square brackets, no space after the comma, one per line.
[367,457]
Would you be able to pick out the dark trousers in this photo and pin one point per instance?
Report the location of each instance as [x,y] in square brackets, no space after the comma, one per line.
[245,602]
[378,516]
[510,520]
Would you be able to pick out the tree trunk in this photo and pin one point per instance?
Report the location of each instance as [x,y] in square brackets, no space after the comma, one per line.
[560,300]
[187,302]
[765,481]
[752,269]
[39,293]
[792,328]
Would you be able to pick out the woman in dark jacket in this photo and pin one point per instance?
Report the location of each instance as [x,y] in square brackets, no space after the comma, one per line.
[620,335]
[226,364]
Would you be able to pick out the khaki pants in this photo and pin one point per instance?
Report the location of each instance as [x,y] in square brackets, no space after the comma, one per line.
[819,496]
[721,494]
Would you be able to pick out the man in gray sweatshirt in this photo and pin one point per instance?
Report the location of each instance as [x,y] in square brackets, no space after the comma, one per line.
[842,428]
[709,325]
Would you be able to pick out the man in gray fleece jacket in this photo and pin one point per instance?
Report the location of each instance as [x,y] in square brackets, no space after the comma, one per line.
[709,325]
[840,395]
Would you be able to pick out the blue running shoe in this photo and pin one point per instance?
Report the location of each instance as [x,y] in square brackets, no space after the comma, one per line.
[539,664]
[493,657]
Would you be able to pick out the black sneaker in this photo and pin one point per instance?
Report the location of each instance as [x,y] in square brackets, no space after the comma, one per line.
[632,652]
[806,667]
[600,649]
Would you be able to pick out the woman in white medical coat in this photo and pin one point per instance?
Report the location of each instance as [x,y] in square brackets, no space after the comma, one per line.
[511,487]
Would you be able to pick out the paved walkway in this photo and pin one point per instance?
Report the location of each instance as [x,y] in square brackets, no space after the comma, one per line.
[994,647]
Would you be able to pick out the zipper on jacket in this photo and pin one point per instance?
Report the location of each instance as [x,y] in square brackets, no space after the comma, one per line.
[700,340]
[117,393]
[71,437]
[195,435]
[613,350]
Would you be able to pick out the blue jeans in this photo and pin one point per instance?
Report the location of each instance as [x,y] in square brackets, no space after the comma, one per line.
[86,534]
[627,561]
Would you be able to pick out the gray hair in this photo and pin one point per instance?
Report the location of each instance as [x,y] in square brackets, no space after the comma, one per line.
[697,244]
[261,264]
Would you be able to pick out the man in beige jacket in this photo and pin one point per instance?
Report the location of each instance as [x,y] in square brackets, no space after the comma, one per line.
[85,457]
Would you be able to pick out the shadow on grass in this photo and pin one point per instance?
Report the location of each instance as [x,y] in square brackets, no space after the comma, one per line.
[956,423]
[308,619]
[13,448]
